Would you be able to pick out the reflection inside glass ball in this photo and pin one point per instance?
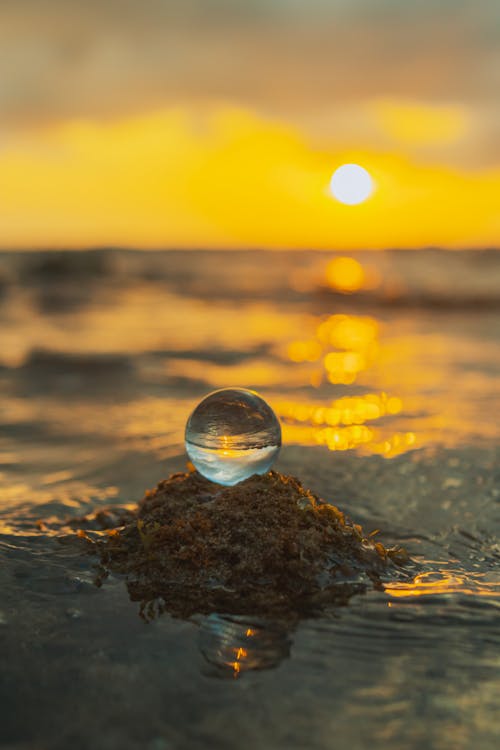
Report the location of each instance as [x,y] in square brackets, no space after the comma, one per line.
[231,435]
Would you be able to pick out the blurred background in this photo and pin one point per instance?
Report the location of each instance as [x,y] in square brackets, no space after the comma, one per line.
[300,197]
[218,123]
[153,138]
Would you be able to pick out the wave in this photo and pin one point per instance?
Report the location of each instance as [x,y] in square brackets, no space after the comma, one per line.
[427,278]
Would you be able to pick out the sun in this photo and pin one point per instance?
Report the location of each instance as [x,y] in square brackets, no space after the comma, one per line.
[351,184]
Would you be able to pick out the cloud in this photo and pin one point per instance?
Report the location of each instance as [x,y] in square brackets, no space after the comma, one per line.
[87,58]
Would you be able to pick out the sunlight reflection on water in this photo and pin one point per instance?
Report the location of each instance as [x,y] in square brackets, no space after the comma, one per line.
[98,374]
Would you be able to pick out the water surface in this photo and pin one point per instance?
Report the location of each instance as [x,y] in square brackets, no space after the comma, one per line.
[388,392]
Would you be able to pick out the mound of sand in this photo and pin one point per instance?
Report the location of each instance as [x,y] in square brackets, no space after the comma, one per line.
[266,546]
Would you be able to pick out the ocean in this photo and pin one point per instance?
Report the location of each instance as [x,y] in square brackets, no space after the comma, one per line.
[383,369]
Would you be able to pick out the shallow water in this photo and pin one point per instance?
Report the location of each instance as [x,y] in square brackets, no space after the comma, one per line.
[389,399]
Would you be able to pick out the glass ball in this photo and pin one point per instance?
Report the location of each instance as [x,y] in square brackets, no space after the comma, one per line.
[231,435]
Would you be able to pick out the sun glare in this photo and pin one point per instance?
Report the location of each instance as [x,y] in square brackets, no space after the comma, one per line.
[351,184]
[153,180]
[345,275]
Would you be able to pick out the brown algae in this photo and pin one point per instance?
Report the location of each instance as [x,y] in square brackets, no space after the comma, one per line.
[266,546]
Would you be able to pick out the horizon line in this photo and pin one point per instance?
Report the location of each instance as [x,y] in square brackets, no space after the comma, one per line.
[249,249]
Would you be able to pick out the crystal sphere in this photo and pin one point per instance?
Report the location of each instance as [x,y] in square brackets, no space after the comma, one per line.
[231,435]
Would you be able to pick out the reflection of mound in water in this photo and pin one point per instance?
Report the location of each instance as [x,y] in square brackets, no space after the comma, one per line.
[265,547]
[232,645]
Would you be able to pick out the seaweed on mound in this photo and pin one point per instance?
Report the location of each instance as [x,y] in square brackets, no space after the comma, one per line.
[266,546]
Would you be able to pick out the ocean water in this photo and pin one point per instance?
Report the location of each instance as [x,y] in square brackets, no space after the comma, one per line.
[384,373]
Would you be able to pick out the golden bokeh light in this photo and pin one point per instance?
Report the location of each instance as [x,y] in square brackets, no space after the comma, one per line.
[345,275]
[345,423]
[346,344]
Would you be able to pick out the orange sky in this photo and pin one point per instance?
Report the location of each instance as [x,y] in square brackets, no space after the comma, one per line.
[174,127]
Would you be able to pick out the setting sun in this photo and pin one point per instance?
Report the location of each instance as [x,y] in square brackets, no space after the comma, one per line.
[351,184]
